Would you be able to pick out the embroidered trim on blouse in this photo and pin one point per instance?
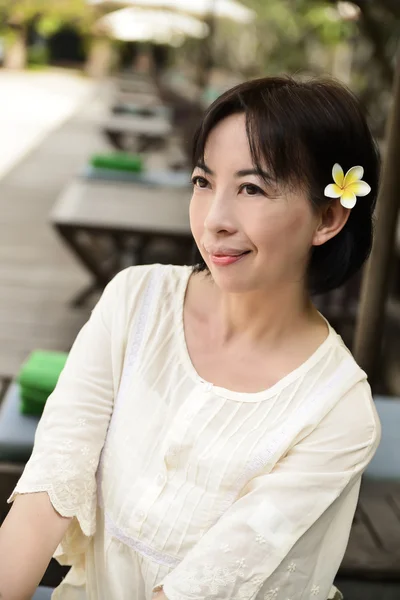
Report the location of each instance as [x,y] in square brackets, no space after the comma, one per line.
[136,339]
[155,555]
[131,356]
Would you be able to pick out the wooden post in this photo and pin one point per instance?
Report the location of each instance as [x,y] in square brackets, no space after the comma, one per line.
[15,52]
[368,336]
[100,59]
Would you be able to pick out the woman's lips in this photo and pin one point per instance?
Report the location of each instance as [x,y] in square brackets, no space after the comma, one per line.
[225,260]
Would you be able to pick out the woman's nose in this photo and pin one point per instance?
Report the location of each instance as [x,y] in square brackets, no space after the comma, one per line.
[220,216]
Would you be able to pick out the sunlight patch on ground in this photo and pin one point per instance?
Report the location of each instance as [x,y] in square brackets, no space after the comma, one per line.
[31,105]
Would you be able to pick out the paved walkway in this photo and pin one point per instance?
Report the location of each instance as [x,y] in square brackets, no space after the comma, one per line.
[31,105]
[38,275]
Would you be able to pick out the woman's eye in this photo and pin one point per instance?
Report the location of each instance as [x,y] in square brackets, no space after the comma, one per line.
[199,182]
[252,190]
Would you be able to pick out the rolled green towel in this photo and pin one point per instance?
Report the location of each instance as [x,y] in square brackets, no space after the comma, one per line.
[121,161]
[31,406]
[42,370]
[33,395]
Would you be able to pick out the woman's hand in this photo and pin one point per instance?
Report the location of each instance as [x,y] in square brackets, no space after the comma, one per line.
[160,596]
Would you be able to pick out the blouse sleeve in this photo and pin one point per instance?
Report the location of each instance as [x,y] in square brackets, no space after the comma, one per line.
[72,430]
[238,558]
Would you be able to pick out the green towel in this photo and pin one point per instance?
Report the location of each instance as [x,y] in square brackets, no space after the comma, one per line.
[31,406]
[42,370]
[33,395]
[122,161]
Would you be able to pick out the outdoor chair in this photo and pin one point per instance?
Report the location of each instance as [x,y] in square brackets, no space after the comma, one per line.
[373,553]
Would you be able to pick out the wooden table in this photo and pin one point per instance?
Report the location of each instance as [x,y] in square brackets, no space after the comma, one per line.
[373,551]
[88,211]
[137,92]
[144,99]
[154,125]
[133,84]
[125,131]
[147,112]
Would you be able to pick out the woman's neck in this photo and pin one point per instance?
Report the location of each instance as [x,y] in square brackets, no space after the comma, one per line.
[260,316]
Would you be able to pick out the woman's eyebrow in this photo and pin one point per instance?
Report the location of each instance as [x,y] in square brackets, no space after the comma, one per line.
[258,172]
[202,165]
[242,173]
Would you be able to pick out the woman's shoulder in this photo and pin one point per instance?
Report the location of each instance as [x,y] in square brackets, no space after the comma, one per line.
[135,287]
[339,402]
[356,410]
[354,413]
[132,281]
[136,281]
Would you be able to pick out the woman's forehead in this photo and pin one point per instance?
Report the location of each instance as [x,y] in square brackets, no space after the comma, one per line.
[228,143]
[229,150]
[231,126]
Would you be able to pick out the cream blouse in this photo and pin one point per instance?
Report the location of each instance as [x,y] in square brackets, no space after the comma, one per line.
[172,481]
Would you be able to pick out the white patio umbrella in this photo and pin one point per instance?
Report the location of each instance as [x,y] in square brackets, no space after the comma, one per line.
[229,9]
[158,26]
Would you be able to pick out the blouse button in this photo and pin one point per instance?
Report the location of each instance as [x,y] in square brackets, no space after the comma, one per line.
[140,515]
[207,386]
[173,451]
[160,479]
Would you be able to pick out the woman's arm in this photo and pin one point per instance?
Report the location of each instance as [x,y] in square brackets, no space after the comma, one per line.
[28,538]
[284,514]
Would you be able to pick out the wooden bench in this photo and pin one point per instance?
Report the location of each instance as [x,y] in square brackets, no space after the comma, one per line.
[17,431]
[43,593]
[373,552]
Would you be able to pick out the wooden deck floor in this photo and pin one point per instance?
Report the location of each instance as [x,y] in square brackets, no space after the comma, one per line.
[38,275]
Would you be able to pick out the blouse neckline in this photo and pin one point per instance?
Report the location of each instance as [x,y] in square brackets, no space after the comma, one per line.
[313,359]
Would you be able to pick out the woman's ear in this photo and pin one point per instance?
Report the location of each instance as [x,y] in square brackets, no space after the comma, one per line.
[332,220]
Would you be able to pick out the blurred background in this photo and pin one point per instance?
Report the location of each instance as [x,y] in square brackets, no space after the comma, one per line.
[99,100]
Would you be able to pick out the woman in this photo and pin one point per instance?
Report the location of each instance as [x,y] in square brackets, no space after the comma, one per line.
[208,434]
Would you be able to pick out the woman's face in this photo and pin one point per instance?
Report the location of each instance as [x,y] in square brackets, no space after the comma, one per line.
[252,235]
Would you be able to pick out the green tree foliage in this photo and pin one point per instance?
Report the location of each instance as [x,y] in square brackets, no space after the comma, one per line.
[49,14]
[291,36]
[307,37]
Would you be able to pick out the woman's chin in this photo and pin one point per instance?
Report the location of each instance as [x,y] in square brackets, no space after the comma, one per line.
[233,283]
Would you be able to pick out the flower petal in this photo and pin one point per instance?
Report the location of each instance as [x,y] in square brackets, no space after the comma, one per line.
[359,188]
[348,199]
[333,191]
[354,174]
[338,175]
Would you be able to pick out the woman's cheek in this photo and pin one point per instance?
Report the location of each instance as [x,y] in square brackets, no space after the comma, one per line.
[197,218]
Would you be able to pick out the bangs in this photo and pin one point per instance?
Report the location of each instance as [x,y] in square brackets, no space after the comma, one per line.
[267,114]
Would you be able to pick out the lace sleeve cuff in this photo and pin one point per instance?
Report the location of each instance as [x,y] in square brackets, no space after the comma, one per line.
[83,525]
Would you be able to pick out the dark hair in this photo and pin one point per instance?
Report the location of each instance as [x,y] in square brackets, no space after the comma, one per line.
[300,129]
